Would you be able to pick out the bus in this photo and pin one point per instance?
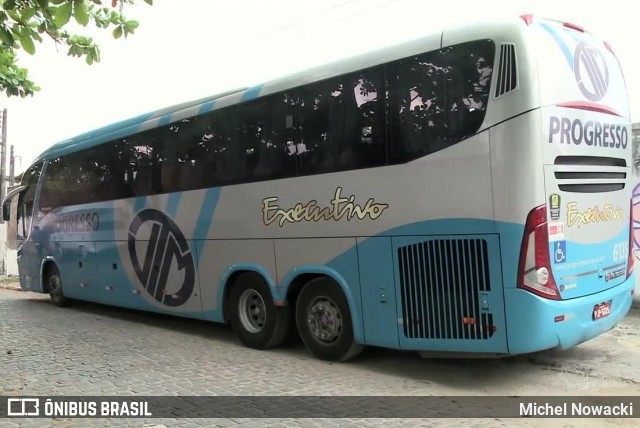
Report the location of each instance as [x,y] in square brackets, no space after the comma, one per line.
[466,192]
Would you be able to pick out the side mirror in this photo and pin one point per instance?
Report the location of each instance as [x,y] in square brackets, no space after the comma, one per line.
[6,210]
[6,203]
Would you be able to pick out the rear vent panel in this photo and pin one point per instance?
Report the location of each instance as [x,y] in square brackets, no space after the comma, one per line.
[577,175]
[590,174]
[440,282]
[507,70]
[590,160]
[591,187]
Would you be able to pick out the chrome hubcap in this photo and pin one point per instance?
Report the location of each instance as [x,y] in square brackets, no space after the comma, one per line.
[252,310]
[325,320]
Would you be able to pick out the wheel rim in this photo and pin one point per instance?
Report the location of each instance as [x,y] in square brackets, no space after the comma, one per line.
[252,310]
[324,320]
[55,287]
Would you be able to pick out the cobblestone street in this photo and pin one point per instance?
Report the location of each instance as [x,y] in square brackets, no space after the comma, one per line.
[95,350]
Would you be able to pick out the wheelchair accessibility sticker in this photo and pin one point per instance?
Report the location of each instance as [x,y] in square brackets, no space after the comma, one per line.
[560,251]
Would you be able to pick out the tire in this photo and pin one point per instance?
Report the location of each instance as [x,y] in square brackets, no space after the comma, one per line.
[324,321]
[258,323]
[54,287]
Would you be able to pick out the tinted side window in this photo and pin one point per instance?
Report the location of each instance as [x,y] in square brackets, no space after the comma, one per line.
[138,154]
[387,114]
[109,173]
[274,142]
[438,98]
[184,155]
[52,188]
[85,185]
[253,131]
[341,123]
[30,178]
[229,159]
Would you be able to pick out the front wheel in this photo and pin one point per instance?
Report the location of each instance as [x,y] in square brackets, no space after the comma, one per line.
[324,321]
[54,285]
[256,320]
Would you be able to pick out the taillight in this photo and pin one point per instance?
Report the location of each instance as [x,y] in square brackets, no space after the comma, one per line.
[534,267]
[630,263]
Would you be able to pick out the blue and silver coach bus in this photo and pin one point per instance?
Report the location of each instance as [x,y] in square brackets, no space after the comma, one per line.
[465,192]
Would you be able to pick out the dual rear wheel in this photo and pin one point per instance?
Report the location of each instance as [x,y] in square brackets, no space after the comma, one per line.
[321,314]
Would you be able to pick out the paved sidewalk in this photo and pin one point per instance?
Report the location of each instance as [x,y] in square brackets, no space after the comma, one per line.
[94,350]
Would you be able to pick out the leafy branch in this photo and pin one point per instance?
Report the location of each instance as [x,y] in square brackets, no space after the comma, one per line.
[23,23]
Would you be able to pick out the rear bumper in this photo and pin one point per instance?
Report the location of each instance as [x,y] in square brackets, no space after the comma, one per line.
[531,324]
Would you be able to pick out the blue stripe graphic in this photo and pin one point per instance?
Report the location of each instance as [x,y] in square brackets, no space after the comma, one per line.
[206,215]
[563,46]
[165,120]
[206,107]
[139,204]
[251,93]
[173,203]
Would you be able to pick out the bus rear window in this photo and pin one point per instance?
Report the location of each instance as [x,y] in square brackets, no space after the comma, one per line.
[438,98]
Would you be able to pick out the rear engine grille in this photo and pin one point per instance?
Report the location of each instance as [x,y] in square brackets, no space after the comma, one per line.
[440,282]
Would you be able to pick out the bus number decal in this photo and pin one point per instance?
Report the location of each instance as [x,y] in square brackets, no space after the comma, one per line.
[340,207]
[620,251]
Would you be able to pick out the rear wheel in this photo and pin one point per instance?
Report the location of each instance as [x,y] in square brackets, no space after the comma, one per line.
[256,320]
[324,321]
[54,286]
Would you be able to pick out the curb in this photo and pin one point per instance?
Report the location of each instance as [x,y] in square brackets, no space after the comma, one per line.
[14,286]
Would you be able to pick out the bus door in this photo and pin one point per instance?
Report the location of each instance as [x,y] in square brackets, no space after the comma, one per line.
[27,238]
[29,248]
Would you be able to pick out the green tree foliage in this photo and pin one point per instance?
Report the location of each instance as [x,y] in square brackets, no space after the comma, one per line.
[25,22]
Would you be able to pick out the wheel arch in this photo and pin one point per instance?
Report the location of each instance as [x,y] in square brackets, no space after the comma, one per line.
[295,280]
[45,266]
[231,275]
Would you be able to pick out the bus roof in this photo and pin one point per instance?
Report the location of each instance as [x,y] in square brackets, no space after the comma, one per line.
[177,112]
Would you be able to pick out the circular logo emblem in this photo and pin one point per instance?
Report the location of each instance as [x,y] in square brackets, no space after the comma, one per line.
[167,257]
[592,74]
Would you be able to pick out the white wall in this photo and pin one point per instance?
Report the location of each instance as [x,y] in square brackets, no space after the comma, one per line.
[8,257]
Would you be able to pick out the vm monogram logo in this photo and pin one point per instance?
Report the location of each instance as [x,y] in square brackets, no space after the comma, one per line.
[166,244]
[591,72]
